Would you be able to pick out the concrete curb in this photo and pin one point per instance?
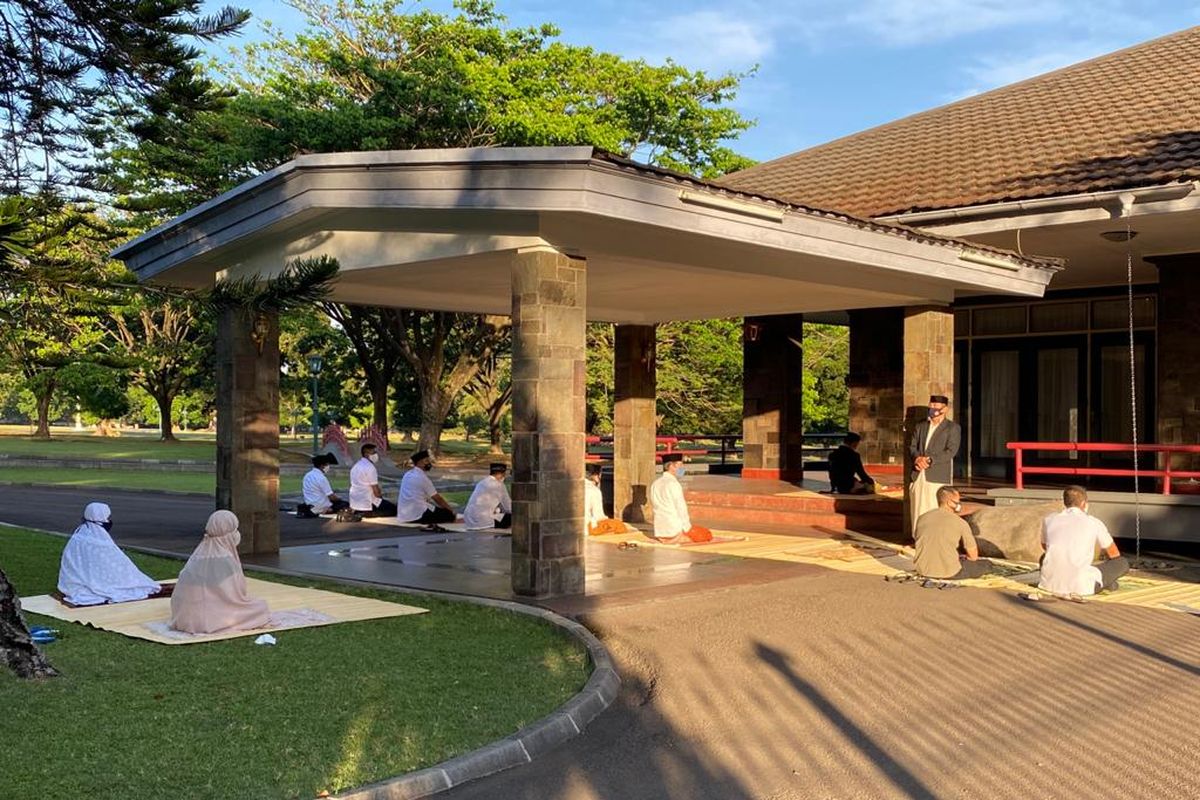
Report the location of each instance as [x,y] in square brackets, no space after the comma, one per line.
[564,723]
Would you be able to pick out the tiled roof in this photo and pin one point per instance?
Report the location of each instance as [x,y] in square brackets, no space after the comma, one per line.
[1123,120]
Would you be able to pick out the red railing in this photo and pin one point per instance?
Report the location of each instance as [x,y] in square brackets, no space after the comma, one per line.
[1163,471]
[670,444]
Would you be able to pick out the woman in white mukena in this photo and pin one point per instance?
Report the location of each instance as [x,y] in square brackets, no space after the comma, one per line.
[94,570]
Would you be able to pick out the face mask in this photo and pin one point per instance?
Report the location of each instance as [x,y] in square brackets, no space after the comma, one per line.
[429,465]
[680,471]
[934,413]
[374,457]
[107,525]
[958,508]
[325,468]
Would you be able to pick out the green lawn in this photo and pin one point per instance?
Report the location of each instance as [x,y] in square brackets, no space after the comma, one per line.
[325,709]
[143,444]
[197,482]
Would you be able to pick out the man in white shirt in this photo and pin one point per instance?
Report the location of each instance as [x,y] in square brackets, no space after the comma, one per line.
[419,501]
[489,506]
[319,497]
[598,524]
[672,523]
[1070,539]
[365,497]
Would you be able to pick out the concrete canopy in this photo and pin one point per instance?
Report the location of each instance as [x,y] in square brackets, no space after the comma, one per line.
[435,230]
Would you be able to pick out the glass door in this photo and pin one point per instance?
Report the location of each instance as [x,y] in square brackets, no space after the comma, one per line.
[996,404]
[1113,392]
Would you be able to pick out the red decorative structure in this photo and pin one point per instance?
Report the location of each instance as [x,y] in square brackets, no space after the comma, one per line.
[1164,471]
[373,435]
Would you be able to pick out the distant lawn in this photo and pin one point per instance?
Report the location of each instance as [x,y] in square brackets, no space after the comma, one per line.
[326,709]
[195,482]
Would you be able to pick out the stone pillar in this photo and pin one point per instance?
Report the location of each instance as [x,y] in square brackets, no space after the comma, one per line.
[549,294]
[1178,350]
[772,417]
[248,425]
[928,370]
[876,383]
[634,421]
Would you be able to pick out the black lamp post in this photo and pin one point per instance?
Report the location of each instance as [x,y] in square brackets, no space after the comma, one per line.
[314,368]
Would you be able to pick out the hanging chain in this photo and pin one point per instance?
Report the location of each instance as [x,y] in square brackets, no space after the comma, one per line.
[1137,499]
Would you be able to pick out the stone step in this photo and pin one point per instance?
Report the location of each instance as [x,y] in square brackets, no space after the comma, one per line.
[730,516]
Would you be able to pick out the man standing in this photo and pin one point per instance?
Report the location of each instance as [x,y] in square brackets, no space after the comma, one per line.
[847,475]
[365,497]
[318,494]
[490,505]
[1071,538]
[933,447]
[419,501]
[672,523]
[938,533]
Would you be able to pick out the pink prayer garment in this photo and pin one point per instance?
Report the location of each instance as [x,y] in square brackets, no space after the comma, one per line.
[211,595]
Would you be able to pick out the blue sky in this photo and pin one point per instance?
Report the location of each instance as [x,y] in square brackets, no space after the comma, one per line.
[828,68]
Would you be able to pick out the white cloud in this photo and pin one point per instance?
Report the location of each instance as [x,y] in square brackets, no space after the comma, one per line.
[915,22]
[711,39]
[992,71]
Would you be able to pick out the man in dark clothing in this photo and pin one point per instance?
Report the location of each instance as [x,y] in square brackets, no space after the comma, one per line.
[846,472]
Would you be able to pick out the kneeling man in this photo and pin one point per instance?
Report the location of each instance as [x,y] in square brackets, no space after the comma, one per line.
[365,497]
[490,505]
[939,533]
[1071,538]
[419,501]
[593,505]
[672,523]
[318,494]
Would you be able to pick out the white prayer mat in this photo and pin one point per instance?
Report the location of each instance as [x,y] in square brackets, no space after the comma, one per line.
[290,606]
[457,527]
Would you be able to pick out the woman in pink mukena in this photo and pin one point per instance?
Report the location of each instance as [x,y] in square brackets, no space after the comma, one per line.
[211,595]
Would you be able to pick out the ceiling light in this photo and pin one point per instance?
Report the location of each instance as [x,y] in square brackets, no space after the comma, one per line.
[1119,236]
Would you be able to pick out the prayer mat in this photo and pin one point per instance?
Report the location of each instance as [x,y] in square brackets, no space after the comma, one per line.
[648,542]
[290,606]
[456,527]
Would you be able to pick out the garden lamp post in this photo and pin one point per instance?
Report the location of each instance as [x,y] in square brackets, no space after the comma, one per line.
[314,368]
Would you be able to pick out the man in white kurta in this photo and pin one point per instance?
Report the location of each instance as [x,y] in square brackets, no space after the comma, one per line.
[419,501]
[672,522]
[365,496]
[598,524]
[1071,539]
[490,505]
[318,494]
[94,570]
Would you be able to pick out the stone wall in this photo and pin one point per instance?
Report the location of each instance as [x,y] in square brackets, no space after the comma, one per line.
[876,383]
[634,421]
[772,413]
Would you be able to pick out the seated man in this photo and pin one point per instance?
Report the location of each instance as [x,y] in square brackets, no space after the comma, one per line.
[593,505]
[489,506]
[419,501]
[365,497]
[672,524]
[211,594]
[318,494]
[847,475]
[1071,538]
[94,570]
[939,533]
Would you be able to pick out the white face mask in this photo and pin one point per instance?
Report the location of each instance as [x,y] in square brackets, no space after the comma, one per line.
[373,458]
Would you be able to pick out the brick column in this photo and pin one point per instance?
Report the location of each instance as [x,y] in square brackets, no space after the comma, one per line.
[876,383]
[928,370]
[248,425]
[1178,348]
[772,417]
[548,375]
[634,421]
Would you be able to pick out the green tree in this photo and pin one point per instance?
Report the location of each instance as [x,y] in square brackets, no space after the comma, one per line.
[700,376]
[826,402]
[68,68]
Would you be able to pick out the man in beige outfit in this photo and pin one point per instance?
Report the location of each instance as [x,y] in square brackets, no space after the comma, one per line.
[939,533]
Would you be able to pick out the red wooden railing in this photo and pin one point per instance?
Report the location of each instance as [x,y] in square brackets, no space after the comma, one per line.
[1163,471]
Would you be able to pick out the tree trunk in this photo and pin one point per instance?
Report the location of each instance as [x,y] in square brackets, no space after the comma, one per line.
[494,432]
[43,415]
[435,407]
[379,417]
[166,426]
[17,650]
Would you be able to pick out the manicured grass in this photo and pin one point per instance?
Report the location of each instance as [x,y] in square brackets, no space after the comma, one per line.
[325,709]
[141,444]
[196,482]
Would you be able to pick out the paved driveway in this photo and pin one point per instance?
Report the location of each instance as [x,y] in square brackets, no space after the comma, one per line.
[843,686]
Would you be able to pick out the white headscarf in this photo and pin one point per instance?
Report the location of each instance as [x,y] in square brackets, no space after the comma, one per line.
[211,595]
[94,570]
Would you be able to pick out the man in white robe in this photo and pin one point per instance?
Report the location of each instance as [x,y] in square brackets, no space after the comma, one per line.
[419,501]
[598,523]
[318,493]
[94,570]
[490,505]
[672,522]
[365,497]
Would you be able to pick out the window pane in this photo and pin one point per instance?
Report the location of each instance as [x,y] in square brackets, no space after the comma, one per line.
[996,321]
[1115,414]
[962,322]
[998,386]
[1110,314]
[1058,398]
[1058,317]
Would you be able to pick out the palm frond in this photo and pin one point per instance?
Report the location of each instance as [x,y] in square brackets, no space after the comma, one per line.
[303,282]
